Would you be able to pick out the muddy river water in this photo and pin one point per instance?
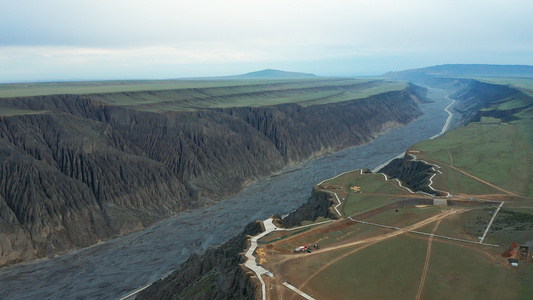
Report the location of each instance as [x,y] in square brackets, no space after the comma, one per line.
[116,267]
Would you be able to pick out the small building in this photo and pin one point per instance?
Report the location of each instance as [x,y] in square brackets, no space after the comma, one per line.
[356,189]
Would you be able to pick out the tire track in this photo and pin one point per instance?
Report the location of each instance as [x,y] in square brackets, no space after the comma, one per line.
[371,241]
[426,264]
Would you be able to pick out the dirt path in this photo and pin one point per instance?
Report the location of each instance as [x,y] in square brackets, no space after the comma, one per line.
[426,264]
[334,261]
[422,223]
[371,241]
[485,182]
[462,245]
[277,283]
[484,195]
[450,156]
[397,195]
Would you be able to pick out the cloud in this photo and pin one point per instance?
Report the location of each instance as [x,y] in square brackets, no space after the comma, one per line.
[118,23]
[141,33]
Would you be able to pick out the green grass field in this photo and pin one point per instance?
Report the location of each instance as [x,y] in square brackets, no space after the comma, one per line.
[385,270]
[178,95]
[370,184]
[458,183]
[325,235]
[98,87]
[467,225]
[405,216]
[457,272]
[301,267]
[392,269]
[499,153]
[512,225]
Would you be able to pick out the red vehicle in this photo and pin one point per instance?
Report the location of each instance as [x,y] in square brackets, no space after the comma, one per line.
[303,248]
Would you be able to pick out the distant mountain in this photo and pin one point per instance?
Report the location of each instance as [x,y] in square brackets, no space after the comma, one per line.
[263,74]
[464,70]
[270,74]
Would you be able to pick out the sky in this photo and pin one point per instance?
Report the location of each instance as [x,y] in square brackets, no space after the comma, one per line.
[57,40]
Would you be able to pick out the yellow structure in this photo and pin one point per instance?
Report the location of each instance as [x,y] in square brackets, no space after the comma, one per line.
[356,189]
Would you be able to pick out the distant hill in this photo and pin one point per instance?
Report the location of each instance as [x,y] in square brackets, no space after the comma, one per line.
[464,70]
[271,74]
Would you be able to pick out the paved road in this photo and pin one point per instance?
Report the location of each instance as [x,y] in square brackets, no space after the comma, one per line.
[250,259]
[294,289]
[490,222]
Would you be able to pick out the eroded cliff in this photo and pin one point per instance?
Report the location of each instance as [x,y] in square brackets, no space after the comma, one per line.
[215,274]
[78,171]
[318,205]
[412,173]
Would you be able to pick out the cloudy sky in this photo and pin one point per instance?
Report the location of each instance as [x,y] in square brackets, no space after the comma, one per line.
[49,40]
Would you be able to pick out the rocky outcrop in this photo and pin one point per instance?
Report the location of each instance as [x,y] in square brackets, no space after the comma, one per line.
[413,174]
[418,93]
[216,274]
[80,171]
[319,205]
[478,95]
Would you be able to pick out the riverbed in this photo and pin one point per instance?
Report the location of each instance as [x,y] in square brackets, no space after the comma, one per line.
[116,267]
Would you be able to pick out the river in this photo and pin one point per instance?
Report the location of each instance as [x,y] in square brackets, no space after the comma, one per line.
[116,267]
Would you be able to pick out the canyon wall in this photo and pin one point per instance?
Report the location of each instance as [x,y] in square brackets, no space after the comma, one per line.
[75,171]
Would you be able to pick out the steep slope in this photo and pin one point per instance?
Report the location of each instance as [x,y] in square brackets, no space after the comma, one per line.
[477,95]
[216,274]
[474,86]
[78,171]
